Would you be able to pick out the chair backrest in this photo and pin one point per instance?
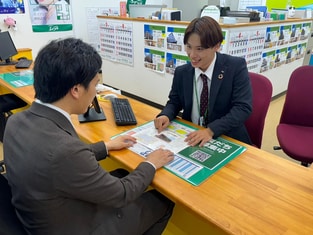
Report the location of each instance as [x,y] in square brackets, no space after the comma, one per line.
[261,97]
[9,222]
[298,106]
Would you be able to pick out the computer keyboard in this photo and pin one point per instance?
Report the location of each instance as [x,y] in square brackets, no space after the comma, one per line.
[123,113]
[24,63]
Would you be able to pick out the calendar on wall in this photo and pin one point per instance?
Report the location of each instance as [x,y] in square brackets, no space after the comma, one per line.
[116,41]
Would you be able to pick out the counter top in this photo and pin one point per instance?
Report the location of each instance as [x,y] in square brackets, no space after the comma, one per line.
[222,25]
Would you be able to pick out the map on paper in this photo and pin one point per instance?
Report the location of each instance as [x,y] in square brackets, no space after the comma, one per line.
[193,164]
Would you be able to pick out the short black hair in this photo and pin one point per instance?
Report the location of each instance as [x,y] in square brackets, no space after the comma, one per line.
[62,64]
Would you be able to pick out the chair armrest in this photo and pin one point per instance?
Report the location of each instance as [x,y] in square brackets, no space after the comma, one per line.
[2,168]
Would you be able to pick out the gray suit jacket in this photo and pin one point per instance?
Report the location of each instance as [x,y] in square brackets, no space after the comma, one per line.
[57,184]
[230,101]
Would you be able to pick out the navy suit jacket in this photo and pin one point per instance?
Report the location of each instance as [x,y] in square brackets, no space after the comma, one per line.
[230,101]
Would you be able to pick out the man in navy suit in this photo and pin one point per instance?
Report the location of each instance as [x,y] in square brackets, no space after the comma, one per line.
[230,92]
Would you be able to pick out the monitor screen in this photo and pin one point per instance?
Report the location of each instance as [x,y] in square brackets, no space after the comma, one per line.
[7,48]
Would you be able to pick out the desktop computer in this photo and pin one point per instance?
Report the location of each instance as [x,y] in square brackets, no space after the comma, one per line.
[7,49]
[168,14]
[145,11]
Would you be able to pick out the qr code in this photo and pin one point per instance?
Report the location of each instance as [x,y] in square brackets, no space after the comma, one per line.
[200,156]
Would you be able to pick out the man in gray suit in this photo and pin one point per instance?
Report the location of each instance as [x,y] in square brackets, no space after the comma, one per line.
[58,187]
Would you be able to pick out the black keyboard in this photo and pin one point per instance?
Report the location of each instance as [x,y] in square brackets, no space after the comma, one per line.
[123,112]
[24,63]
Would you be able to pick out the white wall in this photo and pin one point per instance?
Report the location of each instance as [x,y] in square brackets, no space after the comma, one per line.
[79,12]
[24,37]
[137,79]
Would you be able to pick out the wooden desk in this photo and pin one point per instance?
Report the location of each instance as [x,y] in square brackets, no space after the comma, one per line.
[256,193]
[26,93]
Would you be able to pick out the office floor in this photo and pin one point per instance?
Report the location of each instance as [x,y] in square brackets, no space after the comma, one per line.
[269,134]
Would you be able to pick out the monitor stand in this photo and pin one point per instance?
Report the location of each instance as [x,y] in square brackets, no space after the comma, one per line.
[91,116]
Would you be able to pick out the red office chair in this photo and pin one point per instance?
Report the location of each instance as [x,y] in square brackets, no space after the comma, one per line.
[261,98]
[295,129]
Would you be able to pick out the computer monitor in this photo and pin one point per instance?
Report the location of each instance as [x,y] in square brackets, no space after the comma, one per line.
[7,49]
[94,113]
[144,11]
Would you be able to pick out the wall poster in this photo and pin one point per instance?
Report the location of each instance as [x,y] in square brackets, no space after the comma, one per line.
[284,44]
[154,51]
[12,7]
[176,54]
[50,16]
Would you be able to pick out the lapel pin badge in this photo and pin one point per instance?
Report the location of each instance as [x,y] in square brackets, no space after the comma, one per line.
[221,75]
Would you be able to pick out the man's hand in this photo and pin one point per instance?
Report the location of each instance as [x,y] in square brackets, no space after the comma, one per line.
[120,142]
[199,137]
[160,157]
[161,123]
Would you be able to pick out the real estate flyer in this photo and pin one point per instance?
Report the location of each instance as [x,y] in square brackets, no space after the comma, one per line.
[193,164]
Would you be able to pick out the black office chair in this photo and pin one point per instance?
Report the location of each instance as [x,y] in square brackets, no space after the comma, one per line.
[9,222]
[8,102]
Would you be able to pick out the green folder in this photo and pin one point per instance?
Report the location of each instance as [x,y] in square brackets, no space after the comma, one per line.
[193,164]
[213,156]
[19,79]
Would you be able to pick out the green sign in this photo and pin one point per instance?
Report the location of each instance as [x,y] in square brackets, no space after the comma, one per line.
[135,2]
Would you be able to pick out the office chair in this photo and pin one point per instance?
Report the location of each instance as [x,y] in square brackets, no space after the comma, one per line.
[261,98]
[295,128]
[8,102]
[9,222]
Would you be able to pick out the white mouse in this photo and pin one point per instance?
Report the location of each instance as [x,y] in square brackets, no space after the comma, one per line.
[110,96]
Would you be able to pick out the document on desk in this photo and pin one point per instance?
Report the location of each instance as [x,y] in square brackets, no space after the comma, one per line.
[193,164]
[19,79]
